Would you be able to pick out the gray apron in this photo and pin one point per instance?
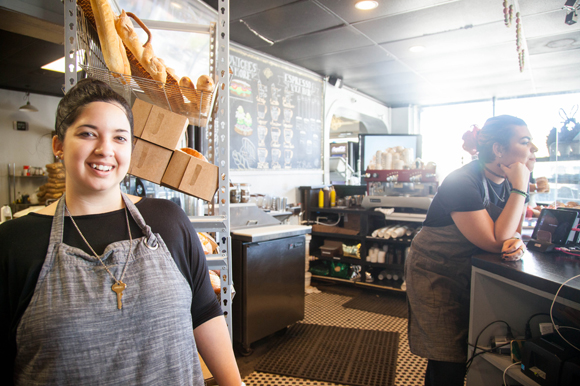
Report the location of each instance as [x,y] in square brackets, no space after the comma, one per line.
[73,334]
[438,277]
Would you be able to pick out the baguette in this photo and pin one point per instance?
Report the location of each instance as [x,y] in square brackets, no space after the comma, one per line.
[188,89]
[144,54]
[124,27]
[113,50]
[204,89]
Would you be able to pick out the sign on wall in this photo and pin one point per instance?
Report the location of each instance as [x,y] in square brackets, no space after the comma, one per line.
[276,114]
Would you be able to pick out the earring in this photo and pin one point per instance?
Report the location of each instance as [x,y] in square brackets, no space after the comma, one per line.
[60,155]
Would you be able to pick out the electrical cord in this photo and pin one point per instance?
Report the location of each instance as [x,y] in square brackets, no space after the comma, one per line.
[483,351]
[528,331]
[506,369]
[473,355]
[570,328]
[556,328]
[566,251]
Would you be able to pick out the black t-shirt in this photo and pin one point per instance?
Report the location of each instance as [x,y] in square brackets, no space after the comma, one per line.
[463,191]
[24,244]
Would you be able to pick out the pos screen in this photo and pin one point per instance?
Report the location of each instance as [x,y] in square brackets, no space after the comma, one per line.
[555,226]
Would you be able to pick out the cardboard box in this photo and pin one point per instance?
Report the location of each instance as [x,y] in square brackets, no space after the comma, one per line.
[141,110]
[191,175]
[157,125]
[149,161]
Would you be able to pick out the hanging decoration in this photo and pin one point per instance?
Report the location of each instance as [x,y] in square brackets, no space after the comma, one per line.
[508,11]
[568,136]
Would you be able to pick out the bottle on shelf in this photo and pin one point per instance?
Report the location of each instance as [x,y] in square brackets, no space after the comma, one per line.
[321,198]
[332,197]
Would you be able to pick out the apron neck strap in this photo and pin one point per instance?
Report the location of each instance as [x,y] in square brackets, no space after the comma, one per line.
[146,229]
[57,229]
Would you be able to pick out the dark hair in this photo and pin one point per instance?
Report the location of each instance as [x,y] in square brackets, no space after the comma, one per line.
[84,92]
[498,129]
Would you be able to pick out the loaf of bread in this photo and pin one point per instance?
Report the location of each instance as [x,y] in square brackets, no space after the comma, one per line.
[188,90]
[143,53]
[111,44]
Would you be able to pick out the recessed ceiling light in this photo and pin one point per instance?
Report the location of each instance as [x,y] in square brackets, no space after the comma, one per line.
[176,5]
[365,5]
[417,49]
[59,65]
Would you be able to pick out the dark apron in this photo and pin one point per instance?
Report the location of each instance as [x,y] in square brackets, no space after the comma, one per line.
[438,278]
[73,334]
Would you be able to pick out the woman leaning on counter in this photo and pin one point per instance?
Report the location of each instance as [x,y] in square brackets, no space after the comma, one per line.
[477,207]
[101,287]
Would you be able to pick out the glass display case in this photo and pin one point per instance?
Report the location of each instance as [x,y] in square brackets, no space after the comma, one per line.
[564,179]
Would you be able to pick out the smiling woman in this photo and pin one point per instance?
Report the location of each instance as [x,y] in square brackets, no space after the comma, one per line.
[96,152]
[103,268]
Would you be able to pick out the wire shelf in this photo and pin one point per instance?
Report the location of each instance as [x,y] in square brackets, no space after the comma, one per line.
[194,104]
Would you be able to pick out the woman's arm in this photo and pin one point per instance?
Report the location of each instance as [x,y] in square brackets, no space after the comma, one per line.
[215,347]
[480,229]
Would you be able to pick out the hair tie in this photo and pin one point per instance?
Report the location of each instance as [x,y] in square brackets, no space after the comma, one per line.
[470,140]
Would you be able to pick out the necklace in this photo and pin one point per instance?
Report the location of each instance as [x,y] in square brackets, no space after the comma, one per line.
[502,198]
[492,172]
[118,286]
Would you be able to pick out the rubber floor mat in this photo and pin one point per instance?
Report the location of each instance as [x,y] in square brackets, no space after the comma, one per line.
[384,304]
[347,356]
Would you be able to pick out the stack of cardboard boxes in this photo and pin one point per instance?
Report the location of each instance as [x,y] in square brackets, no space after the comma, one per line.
[156,156]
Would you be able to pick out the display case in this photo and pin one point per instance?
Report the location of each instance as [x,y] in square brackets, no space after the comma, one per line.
[563,175]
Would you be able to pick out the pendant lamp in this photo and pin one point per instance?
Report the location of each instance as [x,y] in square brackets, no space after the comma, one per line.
[28,107]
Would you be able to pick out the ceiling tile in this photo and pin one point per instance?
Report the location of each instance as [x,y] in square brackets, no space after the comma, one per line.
[318,43]
[243,8]
[299,18]
[547,24]
[446,17]
[346,10]
[451,41]
[336,63]
[241,34]
[549,44]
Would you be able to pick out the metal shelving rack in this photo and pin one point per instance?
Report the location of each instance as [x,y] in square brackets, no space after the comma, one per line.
[217,135]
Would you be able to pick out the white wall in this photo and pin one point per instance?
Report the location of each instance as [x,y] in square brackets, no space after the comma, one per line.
[405,120]
[344,101]
[32,147]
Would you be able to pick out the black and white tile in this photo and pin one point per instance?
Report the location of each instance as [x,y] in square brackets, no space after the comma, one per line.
[325,308]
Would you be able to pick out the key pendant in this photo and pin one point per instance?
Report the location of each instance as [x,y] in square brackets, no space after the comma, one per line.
[118,288]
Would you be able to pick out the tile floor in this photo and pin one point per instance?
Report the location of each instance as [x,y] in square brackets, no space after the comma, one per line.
[325,308]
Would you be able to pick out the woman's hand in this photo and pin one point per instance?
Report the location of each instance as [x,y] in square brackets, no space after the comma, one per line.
[513,249]
[518,175]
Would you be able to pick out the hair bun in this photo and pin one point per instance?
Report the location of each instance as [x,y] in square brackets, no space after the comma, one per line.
[470,140]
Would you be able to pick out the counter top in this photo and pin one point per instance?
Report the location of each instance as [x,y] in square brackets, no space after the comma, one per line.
[543,271]
[270,232]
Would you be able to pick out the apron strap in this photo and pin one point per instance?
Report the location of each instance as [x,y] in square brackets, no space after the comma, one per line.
[151,241]
[485,191]
[57,229]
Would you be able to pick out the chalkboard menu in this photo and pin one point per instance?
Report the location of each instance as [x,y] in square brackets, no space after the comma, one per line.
[276,114]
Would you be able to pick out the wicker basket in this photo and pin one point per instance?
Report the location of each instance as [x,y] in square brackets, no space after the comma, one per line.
[169,96]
